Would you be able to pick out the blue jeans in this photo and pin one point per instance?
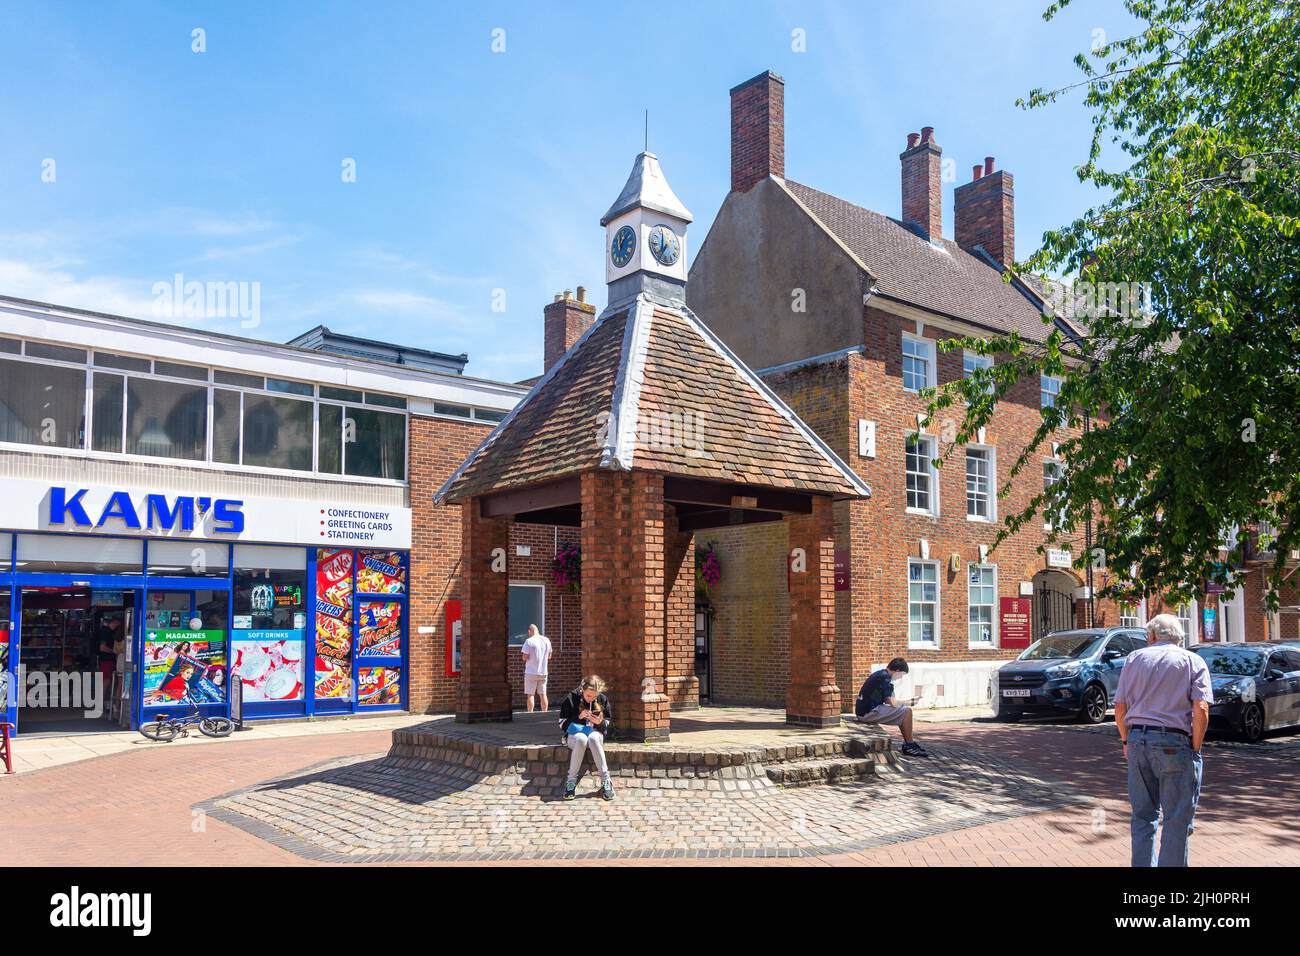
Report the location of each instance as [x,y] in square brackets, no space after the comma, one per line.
[1164,774]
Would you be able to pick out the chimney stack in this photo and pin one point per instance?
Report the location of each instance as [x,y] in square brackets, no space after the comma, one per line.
[564,320]
[984,213]
[757,131]
[922,195]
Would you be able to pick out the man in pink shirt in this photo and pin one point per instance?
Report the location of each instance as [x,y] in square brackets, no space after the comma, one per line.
[1162,709]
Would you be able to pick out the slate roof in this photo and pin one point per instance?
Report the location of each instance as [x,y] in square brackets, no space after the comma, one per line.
[943,278]
[649,386]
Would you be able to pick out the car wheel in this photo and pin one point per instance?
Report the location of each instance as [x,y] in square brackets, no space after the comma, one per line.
[1252,722]
[1010,716]
[1094,705]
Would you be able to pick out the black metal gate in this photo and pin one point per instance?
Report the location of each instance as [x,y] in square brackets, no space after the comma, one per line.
[1054,611]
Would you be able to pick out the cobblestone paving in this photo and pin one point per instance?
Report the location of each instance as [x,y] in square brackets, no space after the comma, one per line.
[364,811]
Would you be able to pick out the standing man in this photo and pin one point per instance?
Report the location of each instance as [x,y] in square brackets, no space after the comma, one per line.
[1162,708]
[876,704]
[537,654]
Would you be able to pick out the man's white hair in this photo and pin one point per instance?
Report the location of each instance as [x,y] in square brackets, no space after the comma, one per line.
[1166,627]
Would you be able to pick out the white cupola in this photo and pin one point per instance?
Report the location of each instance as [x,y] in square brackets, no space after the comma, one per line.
[645,236]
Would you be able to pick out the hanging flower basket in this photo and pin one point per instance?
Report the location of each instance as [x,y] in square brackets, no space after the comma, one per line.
[708,569]
[566,568]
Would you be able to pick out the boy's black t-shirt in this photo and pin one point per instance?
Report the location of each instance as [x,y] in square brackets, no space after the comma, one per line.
[877,689]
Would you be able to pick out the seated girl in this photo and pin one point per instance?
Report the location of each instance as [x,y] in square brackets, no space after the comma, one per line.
[585,720]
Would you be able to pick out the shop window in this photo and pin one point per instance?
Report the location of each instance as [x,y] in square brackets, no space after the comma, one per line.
[188,559]
[388,401]
[128,363]
[269,628]
[57,353]
[42,404]
[375,444]
[329,448]
[527,606]
[77,554]
[277,432]
[226,414]
[334,616]
[166,419]
[241,379]
[342,394]
[6,555]
[291,388]
[179,370]
[185,648]
[107,412]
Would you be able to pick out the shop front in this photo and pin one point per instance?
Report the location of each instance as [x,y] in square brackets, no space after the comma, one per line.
[117,605]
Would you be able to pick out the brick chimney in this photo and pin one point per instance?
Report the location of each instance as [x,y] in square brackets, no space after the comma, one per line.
[985,212]
[922,197]
[565,319]
[757,131]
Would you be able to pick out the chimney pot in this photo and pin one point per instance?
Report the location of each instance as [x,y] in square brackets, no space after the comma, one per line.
[988,165]
[757,131]
[984,213]
[912,139]
[564,321]
[976,172]
[922,184]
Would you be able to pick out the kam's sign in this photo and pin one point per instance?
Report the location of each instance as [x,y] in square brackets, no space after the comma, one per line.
[154,511]
[67,508]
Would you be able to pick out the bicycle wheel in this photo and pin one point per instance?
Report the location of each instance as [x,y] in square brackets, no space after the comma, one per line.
[162,731]
[216,726]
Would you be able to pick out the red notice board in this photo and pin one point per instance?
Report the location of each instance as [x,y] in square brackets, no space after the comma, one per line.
[1014,624]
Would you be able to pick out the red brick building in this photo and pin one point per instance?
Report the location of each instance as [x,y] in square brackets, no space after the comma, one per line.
[840,308]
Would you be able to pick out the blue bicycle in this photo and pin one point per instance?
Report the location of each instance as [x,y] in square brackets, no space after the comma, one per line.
[166,729]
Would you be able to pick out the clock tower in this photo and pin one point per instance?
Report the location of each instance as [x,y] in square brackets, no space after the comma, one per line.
[645,236]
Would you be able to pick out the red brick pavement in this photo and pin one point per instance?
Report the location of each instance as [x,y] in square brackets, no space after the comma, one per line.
[134,809]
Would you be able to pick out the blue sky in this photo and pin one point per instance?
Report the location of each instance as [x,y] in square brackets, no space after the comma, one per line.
[475,170]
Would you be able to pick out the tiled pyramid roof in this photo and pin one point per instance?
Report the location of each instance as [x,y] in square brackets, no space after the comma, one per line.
[650,386]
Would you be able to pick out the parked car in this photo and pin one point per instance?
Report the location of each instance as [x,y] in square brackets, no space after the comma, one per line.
[1074,672]
[1256,686]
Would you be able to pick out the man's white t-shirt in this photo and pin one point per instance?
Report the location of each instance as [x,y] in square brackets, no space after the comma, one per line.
[537,654]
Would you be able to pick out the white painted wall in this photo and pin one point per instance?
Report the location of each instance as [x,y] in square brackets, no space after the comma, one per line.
[964,683]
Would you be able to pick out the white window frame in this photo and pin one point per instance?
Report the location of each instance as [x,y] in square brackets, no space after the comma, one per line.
[993,608]
[992,459]
[938,613]
[931,446]
[1191,627]
[1058,468]
[1047,396]
[931,363]
[541,625]
[973,360]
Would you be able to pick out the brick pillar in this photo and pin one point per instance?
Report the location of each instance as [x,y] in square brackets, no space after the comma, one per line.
[484,692]
[812,697]
[679,615]
[623,597]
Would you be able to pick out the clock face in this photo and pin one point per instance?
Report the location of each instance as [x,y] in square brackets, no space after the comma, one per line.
[664,245]
[621,249]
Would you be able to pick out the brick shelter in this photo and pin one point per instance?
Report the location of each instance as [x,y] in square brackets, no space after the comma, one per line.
[648,430]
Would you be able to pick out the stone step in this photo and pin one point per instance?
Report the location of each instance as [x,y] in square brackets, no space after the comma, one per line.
[806,773]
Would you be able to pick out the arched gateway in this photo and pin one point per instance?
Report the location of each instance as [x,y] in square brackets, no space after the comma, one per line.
[647,430]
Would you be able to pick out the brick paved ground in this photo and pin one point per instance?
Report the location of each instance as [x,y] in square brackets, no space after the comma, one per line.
[135,808]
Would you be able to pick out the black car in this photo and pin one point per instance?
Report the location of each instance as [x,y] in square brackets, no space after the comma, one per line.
[1074,672]
[1256,686]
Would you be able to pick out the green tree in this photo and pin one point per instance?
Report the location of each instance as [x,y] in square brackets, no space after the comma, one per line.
[1196,146]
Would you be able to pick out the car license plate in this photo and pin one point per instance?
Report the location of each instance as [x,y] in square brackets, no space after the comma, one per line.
[1016,692]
